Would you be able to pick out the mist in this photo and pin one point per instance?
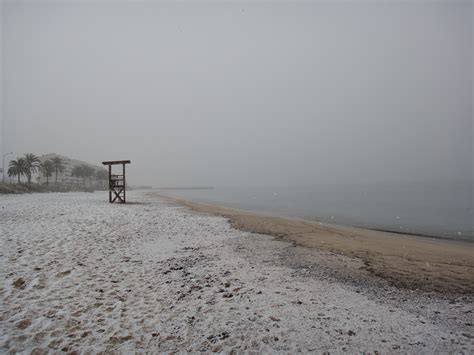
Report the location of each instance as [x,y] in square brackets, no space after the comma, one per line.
[244,93]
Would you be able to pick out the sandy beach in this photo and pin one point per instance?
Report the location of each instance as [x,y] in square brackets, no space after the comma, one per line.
[416,263]
[80,275]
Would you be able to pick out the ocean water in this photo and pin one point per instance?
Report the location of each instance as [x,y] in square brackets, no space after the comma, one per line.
[436,209]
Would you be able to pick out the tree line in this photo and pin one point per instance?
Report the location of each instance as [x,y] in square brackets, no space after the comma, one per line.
[30,164]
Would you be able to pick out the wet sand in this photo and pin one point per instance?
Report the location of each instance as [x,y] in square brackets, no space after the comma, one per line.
[416,263]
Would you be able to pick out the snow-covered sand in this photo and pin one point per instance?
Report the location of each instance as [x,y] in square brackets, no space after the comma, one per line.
[79,274]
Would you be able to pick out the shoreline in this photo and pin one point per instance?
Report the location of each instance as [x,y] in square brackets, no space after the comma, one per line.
[463,238]
[82,275]
[408,261]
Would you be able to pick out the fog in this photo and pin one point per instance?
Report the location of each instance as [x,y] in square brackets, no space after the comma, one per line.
[244,93]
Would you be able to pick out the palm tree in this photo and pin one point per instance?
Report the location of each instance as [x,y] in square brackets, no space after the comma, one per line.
[32,165]
[77,172]
[47,168]
[102,176]
[59,167]
[83,171]
[89,172]
[17,168]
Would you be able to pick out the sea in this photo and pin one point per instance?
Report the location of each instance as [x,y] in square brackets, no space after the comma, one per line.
[439,210]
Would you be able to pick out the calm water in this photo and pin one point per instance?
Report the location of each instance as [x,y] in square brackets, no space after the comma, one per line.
[440,210]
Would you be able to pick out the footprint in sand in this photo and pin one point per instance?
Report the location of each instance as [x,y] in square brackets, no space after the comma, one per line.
[19,283]
[23,324]
[64,273]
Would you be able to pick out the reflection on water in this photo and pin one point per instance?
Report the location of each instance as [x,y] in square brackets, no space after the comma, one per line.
[435,209]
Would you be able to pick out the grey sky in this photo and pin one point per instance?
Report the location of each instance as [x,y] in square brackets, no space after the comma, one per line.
[244,92]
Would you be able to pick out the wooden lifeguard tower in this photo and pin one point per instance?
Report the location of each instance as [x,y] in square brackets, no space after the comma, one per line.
[117,183]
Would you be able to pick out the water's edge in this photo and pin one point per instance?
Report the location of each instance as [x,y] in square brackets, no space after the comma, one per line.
[338,224]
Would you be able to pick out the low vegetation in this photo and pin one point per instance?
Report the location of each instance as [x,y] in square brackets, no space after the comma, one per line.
[7,188]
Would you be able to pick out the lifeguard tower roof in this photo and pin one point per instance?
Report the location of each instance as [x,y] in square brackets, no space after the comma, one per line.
[115,162]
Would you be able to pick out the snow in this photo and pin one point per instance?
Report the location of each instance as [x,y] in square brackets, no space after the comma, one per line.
[79,274]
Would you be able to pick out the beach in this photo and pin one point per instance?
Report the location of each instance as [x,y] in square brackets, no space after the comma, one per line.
[407,261]
[80,275]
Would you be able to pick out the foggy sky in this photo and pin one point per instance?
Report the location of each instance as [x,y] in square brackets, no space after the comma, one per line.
[243,93]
